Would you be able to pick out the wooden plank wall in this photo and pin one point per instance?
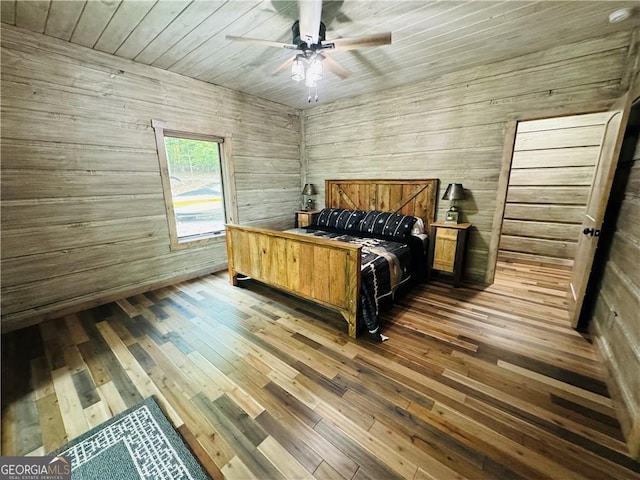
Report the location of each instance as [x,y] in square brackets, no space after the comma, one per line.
[82,203]
[551,174]
[615,322]
[453,127]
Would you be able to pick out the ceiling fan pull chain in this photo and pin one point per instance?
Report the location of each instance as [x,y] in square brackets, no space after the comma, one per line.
[315,96]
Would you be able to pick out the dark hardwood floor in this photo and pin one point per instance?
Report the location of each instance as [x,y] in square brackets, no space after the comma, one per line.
[475,384]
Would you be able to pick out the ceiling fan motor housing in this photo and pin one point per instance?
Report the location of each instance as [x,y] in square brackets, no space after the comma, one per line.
[295,29]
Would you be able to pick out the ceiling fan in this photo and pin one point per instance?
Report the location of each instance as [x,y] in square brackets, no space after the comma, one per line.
[312,49]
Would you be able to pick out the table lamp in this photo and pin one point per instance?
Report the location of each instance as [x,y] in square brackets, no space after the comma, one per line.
[453,192]
[308,191]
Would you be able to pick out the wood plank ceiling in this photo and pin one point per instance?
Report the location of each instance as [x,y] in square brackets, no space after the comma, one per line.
[429,38]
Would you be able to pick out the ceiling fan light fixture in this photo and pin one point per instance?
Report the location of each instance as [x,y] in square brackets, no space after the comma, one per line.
[308,42]
[314,70]
[297,68]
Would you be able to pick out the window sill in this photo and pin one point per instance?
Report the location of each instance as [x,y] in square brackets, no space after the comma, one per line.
[198,241]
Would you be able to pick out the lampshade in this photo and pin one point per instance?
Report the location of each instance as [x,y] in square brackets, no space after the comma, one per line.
[314,72]
[297,68]
[308,189]
[454,192]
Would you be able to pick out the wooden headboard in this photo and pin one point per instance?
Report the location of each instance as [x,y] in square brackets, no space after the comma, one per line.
[409,197]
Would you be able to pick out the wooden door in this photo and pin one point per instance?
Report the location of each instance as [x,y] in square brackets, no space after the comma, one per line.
[596,206]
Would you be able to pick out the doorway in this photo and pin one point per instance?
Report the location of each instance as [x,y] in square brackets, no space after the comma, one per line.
[552,169]
[549,166]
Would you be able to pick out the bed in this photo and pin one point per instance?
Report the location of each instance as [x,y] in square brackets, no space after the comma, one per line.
[320,269]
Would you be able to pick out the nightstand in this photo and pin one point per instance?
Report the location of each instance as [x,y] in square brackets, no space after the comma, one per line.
[447,248]
[304,218]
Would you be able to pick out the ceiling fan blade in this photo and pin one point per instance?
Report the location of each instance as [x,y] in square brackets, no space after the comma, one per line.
[267,43]
[374,40]
[334,67]
[283,66]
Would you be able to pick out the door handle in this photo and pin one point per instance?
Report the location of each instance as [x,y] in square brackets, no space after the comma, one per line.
[592,232]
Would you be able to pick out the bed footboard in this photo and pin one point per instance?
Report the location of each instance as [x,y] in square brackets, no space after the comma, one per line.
[323,271]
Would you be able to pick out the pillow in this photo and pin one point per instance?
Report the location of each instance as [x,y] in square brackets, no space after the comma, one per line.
[393,225]
[418,227]
[339,219]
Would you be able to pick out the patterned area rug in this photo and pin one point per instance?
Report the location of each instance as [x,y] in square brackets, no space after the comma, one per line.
[138,443]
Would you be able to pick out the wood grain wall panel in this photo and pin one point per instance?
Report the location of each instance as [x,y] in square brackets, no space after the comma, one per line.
[564,137]
[614,319]
[67,210]
[555,123]
[628,216]
[90,96]
[26,124]
[541,213]
[552,231]
[280,196]
[32,268]
[30,154]
[82,203]
[246,163]
[569,176]
[105,80]
[480,86]
[542,195]
[622,297]
[626,341]
[35,239]
[453,127]
[538,247]
[575,157]
[626,250]
[76,183]
[255,181]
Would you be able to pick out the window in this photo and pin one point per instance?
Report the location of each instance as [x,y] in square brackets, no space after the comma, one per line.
[197,180]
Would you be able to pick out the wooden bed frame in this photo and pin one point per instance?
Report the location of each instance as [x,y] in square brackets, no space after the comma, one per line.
[325,271]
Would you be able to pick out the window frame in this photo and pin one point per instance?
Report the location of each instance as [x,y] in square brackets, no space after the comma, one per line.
[162,130]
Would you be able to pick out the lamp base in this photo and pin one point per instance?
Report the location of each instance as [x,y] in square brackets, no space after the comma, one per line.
[309,205]
[452,216]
